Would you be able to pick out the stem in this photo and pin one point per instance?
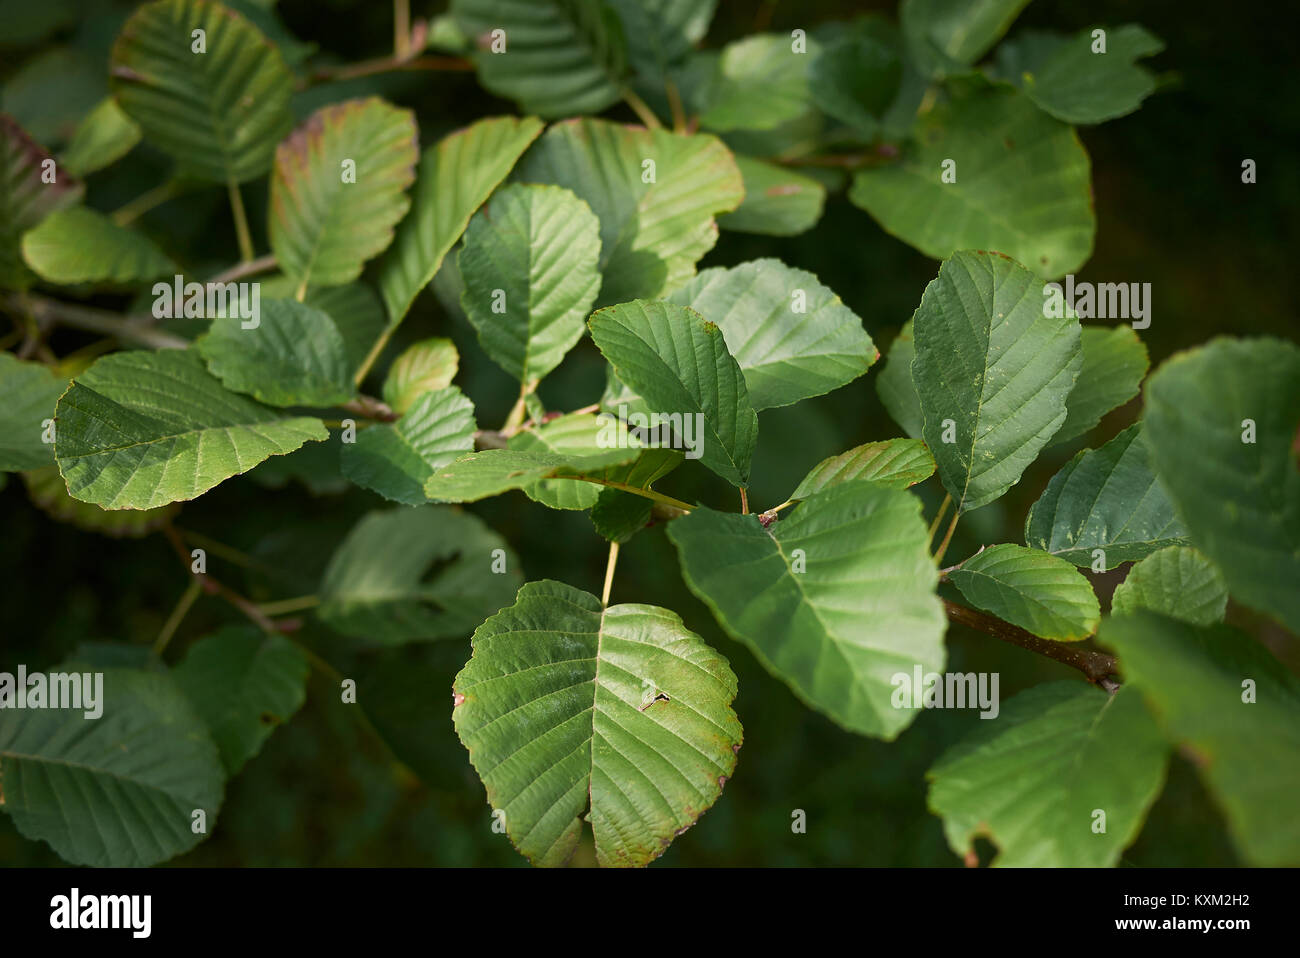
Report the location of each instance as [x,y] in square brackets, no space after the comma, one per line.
[1097,666]
[241,222]
[244,268]
[943,546]
[938,517]
[609,574]
[210,584]
[680,508]
[639,107]
[284,606]
[744,502]
[145,202]
[178,614]
[375,350]
[401,29]
[516,417]
[97,321]
[368,407]
[675,106]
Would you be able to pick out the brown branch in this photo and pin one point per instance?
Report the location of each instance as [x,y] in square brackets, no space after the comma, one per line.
[367,407]
[129,328]
[1099,667]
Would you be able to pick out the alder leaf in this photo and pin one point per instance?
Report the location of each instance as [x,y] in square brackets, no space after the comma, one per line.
[29,392]
[1108,499]
[426,366]
[1073,81]
[835,600]
[410,574]
[557,57]
[655,193]
[24,198]
[778,201]
[1025,191]
[397,459]
[117,791]
[1178,582]
[947,36]
[103,137]
[529,264]
[243,683]
[619,716]
[572,435]
[339,188]
[1034,780]
[494,471]
[679,364]
[760,83]
[894,383]
[1114,362]
[1221,427]
[81,245]
[220,112]
[793,337]
[456,175]
[892,463]
[142,429]
[992,372]
[1234,710]
[1029,588]
[294,356]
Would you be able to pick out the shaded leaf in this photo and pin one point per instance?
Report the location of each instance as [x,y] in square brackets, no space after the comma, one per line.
[760,83]
[1033,780]
[103,137]
[894,384]
[1114,362]
[24,199]
[1108,499]
[778,201]
[29,392]
[46,489]
[220,112]
[946,36]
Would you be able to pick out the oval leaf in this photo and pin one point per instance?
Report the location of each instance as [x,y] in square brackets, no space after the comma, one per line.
[81,245]
[1178,582]
[1036,591]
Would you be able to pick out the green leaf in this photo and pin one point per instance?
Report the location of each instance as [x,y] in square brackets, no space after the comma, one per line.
[893,463]
[103,137]
[294,356]
[862,610]
[140,429]
[456,175]
[355,309]
[28,394]
[1178,582]
[994,367]
[679,363]
[396,460]
[1114,362]
[339,188]
[494,471]
[619,515]
[220,112]
[660,33]
[655,221]
[1243,743]
[1029,588]
[560,57]
[116,791]
[947,35]
[572,435]
[1071,82]
[243,684]
[761,82]
[426,366]
[1033,780]
[778,201]
[1025,192]
[856,79]
[792,336]
[46,489]
[1240,499]
[619,716]
[1106,499]
[529,264]
[81,245]
[894,384]
[414,574]
[24,199]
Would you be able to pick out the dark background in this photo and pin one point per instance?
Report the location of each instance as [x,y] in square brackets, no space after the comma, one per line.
[326,790]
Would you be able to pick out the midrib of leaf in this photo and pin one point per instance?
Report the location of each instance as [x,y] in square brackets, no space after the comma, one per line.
[93,771]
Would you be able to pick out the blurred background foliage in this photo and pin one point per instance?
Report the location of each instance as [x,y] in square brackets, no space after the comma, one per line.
[394,786]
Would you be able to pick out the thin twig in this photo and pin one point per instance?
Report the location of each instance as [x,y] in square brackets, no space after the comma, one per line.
[241,221]
[263,264]
[1099,667]
[943,546]
[145,202]
[938,517]
[744,501]
[178,614]
[643,111]
[370,408]
[131,329]
[610,564]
